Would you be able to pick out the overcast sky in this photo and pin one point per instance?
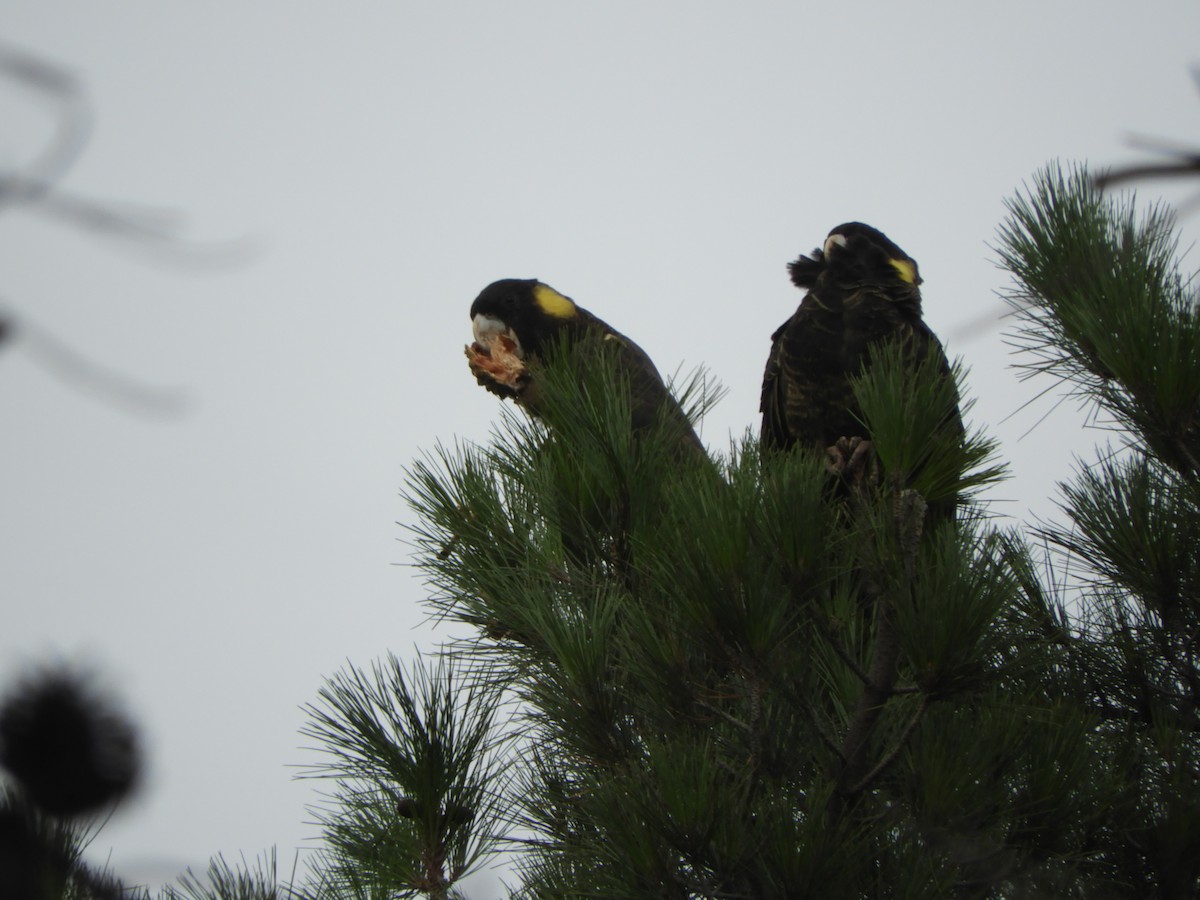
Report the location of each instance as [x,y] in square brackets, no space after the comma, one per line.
[216,556]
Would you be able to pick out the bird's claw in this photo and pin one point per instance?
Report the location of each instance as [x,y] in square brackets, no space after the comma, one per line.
[854,459]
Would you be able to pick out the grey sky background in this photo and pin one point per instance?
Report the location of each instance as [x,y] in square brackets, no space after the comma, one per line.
[658,162]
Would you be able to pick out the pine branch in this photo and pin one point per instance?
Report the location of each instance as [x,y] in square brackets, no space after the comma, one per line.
[1104,308]
[891,756]
[876,692]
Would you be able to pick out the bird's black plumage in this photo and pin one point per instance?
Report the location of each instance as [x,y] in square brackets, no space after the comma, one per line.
[538,322]
[861,289]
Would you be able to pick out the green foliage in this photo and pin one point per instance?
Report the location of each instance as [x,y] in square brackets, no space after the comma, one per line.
[415,760]
[754,678]
[911,412]
[41,855]
[719,666]
[1106,311]
[257,881]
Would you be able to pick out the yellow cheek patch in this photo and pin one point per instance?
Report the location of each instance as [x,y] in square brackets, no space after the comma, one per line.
[907,270]
[552,302]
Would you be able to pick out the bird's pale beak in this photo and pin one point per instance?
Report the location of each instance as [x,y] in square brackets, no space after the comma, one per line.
[834,240]
[487,328]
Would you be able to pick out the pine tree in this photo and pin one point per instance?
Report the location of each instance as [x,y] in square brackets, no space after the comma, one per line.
[744,681]
[741,683]
[1106,310]
[68,755]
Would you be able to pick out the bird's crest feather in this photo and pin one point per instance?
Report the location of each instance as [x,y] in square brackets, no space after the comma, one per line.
[807,269]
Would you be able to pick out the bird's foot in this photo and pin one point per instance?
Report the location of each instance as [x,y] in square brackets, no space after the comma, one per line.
[853,459]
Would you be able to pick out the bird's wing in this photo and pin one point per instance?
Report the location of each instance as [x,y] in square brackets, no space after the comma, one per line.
[773,403]
[925,341]
[649,395]
[805,386]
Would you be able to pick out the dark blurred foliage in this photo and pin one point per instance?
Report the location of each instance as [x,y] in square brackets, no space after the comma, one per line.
[66,745]
[67,751]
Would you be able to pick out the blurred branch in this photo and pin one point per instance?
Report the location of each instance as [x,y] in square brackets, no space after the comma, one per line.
[73,126]
[1183,160]
[71,366]
[35,186]
[152,228]
[1187,165]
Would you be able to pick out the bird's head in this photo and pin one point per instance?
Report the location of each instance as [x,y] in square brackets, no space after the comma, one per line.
[525,310]
[855,252]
